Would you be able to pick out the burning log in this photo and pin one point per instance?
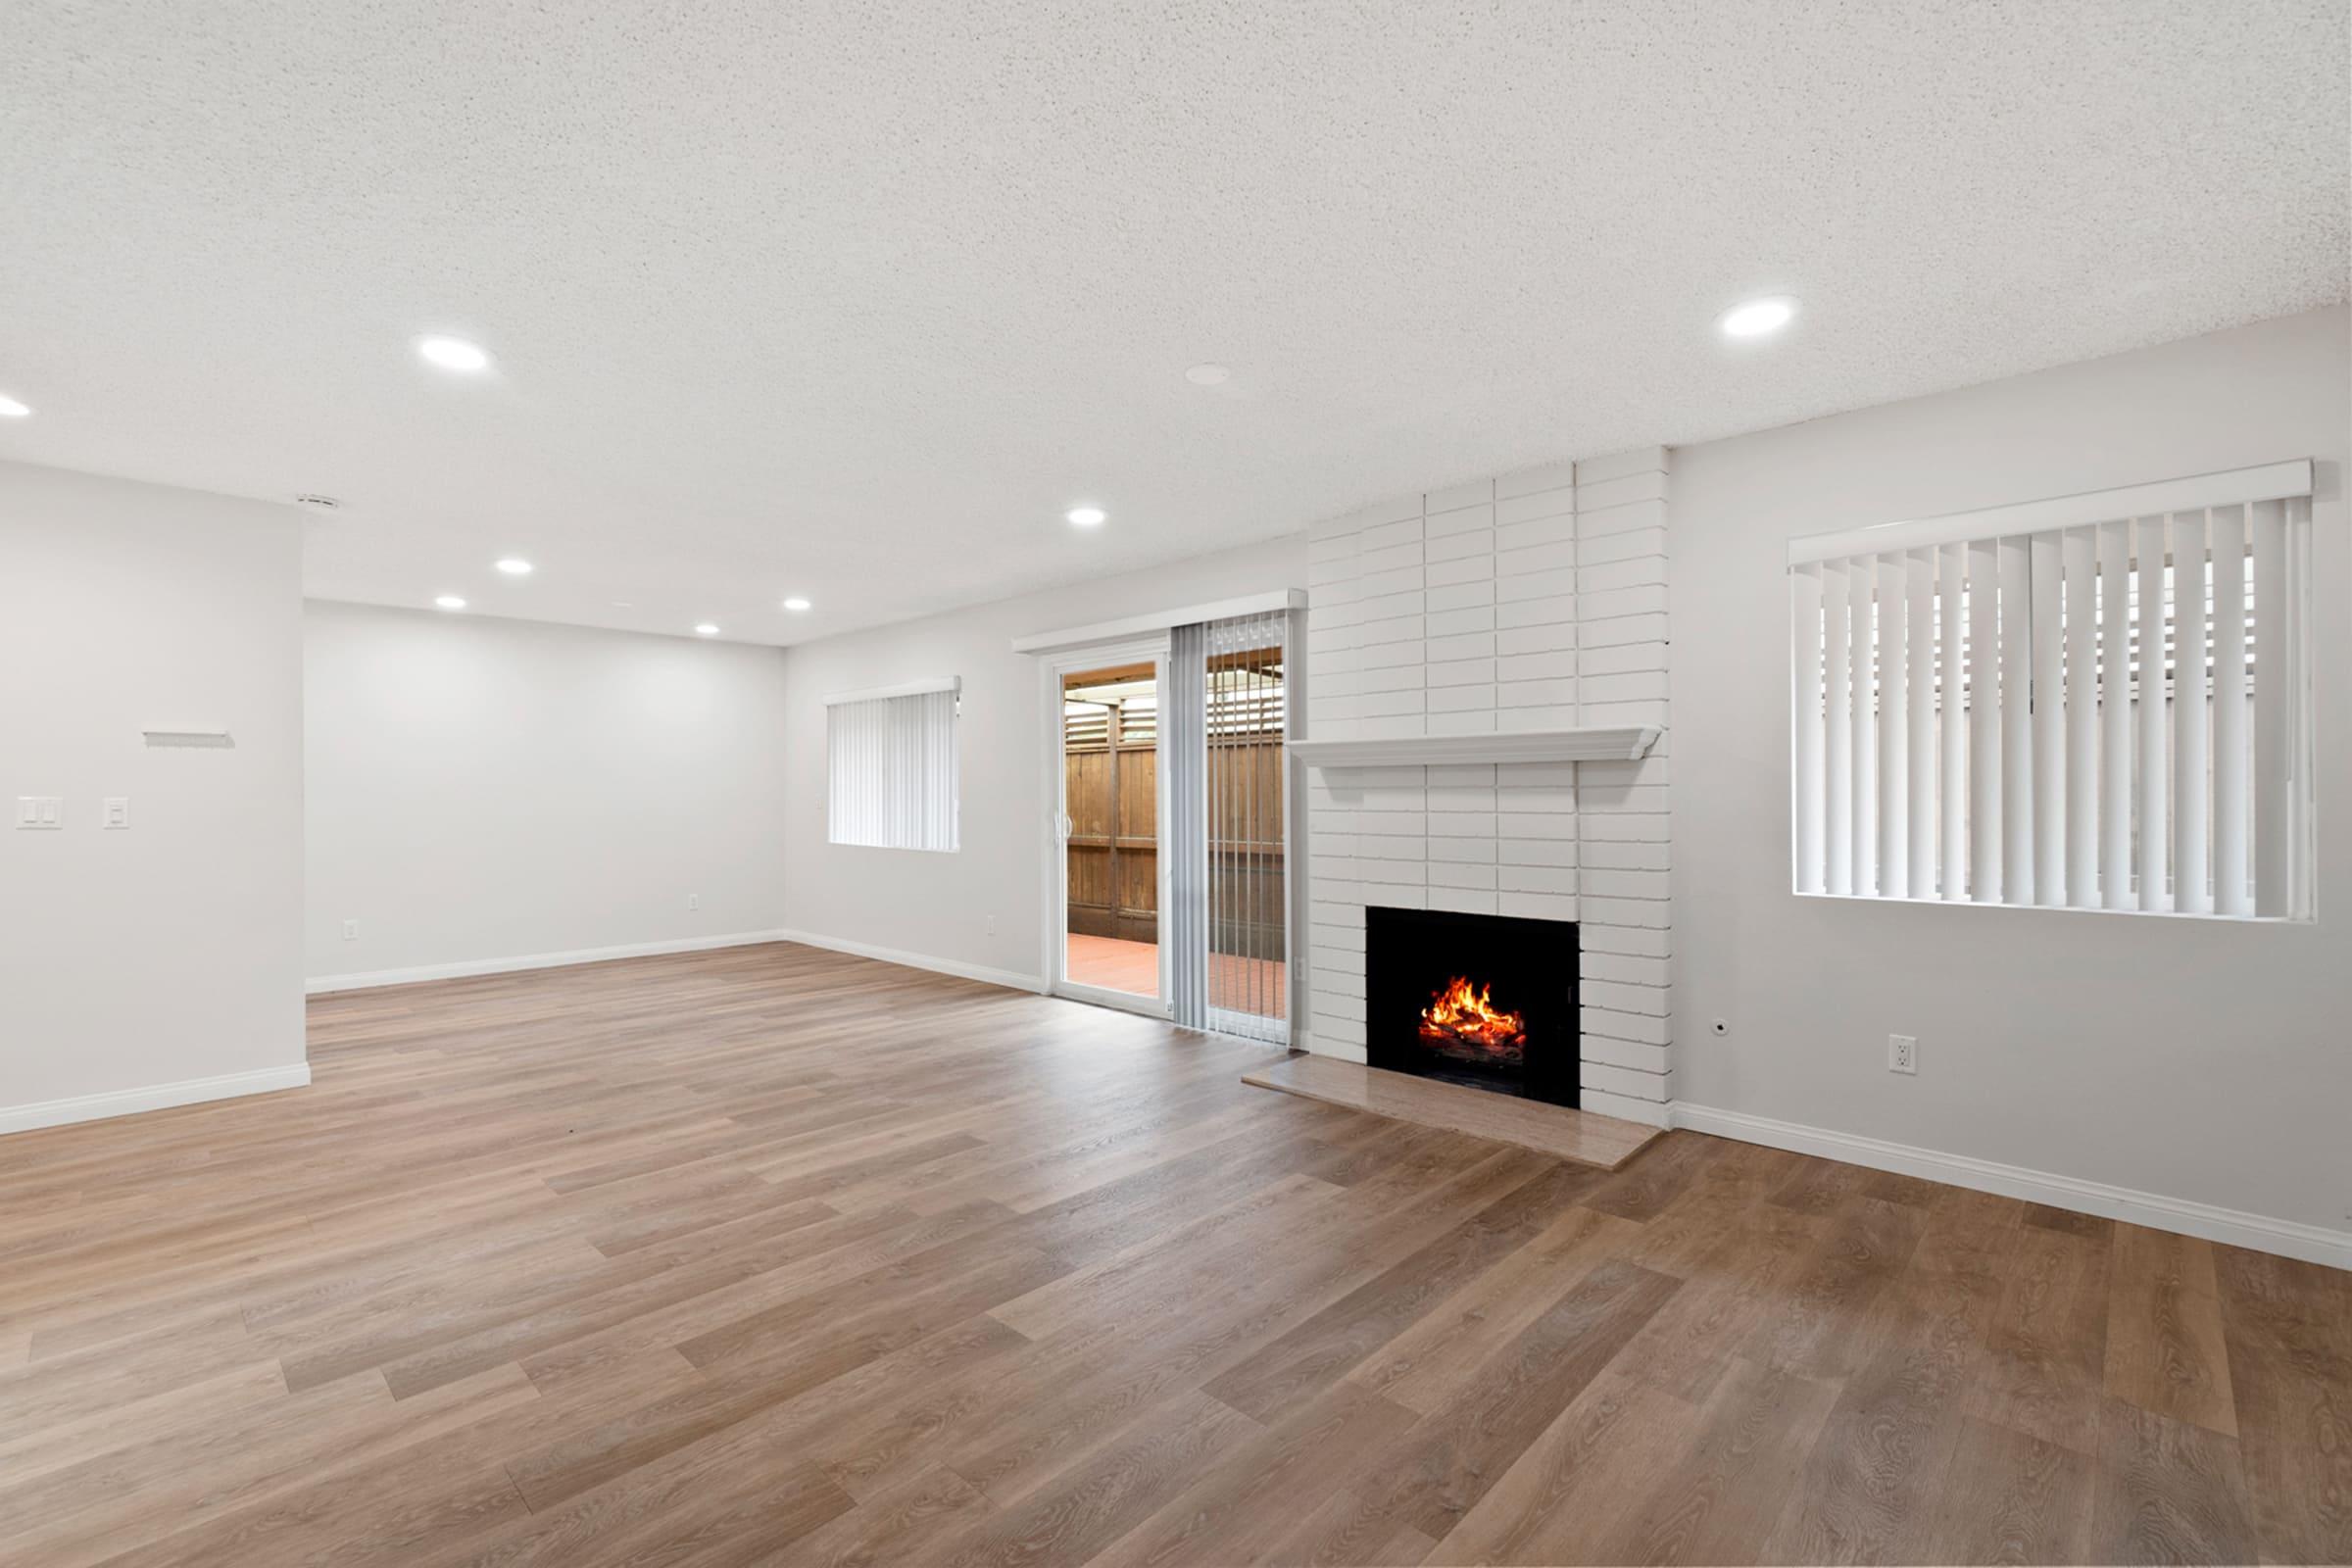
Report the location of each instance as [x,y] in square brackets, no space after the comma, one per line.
[1461,1015]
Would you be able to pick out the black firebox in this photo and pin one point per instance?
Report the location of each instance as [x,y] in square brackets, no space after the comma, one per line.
[1486,1001]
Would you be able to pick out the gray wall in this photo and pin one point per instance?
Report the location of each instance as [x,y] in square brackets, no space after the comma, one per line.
[2192,1059]
[171,951]
[483,789]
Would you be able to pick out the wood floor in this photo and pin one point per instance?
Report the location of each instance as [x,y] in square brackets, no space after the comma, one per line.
[771,1256]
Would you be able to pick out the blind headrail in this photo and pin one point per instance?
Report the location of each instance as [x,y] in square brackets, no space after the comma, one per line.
[905,688]
[2271,481]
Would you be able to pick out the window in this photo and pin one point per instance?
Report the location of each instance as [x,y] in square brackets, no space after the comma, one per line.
[2094,703]
[891,760]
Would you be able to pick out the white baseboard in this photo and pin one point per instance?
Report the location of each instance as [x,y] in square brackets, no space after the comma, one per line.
[1010,978]
[155,1096]
[318,985]
[2262,1234]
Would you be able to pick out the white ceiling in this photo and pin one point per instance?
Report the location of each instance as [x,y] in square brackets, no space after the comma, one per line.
[854,299]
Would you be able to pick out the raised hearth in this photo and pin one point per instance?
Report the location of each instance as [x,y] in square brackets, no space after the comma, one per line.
[1582,1135]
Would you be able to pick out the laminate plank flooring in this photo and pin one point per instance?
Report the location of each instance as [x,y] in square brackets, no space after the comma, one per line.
[771,1255]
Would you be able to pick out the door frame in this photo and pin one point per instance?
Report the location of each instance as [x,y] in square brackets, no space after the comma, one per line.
[1055,902]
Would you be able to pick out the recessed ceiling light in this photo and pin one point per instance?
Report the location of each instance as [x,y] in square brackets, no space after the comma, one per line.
[796,604]
[453,354]
[10,409]
[1087,517]
[317,502]
[1206,375]
[450,602]
[706,630]
[1757,318]
[516,567]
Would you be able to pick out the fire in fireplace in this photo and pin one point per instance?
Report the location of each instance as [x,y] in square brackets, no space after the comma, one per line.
[1479,1000]
[1461,1022]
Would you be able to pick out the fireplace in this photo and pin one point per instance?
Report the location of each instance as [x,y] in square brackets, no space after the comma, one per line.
[1485,1000]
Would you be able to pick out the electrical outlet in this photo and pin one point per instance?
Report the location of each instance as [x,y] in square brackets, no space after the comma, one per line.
[350,930]
[1902,1053]
[694,901]
[116,811]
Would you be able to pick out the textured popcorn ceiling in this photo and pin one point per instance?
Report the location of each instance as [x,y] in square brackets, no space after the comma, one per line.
[854,300]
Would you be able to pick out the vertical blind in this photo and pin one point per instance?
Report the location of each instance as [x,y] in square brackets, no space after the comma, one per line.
[2093,703]
[892,768]
[1246,720]
[1184,836]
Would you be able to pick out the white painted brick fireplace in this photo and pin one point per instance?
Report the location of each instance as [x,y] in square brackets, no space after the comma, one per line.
[1535,601]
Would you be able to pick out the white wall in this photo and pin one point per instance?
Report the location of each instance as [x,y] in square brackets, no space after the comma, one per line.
[170,953]
[2195,1060]
[938,906]
[483,789]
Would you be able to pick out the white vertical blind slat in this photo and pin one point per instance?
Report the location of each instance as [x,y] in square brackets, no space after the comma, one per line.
[1894,729]
[2190,893]
[1837,722]
[2016,613]
[2079,551]
[1984,722]
[1184,829]
[1919,567]
[2048,657]
[2115,770]
[1861,653]
[2230,814]
[2273,698]
[2155,835]
[1807,805]
[2295,649]
[1952,582]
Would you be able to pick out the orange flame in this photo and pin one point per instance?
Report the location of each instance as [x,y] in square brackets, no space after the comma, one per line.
[1461,1014]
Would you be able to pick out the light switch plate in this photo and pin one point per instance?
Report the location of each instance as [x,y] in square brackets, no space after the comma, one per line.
[115,811]
[41,812]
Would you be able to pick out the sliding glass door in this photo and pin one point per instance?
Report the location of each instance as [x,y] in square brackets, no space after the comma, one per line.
[1247,874]
[1169,841]
[1108,939]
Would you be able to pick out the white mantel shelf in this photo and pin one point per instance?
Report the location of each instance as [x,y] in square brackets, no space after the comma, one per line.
[1608,743]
